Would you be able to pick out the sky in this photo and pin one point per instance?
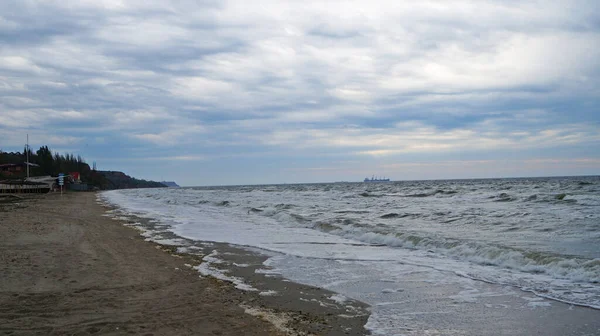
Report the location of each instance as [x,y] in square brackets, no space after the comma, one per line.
[272,91]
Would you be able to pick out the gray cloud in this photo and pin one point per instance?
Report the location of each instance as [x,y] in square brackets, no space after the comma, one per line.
[214,77]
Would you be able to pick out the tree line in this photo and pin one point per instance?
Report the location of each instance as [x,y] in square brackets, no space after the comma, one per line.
[52,164]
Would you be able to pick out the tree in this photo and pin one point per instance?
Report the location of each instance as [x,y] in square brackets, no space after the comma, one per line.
[45,160]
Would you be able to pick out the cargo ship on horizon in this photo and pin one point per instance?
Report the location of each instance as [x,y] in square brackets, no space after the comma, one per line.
[375,179]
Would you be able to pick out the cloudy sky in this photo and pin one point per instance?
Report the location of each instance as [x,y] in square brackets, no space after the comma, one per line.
[242,92]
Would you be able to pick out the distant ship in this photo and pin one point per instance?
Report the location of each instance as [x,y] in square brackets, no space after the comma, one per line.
[375,179]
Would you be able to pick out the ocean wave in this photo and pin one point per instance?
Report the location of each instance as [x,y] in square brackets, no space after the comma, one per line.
[420,194]
[326,226]
[283,216]
[367,194]
[587,200]
[432,193]
[558,266]
[255,210]
[540,198]
[503,197]
[283,206]
[409,195]
[352,211]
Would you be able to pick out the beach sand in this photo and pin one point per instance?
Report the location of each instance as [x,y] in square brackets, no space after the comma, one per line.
[68,270]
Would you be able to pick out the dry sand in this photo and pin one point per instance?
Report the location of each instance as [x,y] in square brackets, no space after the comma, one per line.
[67,270]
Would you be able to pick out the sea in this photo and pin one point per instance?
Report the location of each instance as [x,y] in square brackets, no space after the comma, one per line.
[536,235]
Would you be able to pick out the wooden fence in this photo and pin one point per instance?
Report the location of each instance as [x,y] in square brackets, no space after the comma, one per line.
[22,187]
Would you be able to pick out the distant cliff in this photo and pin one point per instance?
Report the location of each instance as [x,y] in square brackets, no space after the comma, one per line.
[170,184]
[119,180]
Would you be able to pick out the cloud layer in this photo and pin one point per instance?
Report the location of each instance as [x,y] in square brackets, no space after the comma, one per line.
[298,87]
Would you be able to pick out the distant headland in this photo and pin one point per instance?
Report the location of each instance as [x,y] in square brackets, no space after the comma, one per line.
[170,184]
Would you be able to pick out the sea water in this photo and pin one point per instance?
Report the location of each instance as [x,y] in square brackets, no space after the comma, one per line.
[363,240]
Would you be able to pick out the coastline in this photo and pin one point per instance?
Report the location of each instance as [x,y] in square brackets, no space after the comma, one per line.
[73,266]
[69,269]
[421,299]
[296,309]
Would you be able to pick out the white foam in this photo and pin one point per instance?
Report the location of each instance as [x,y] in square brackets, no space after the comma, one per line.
[184,249]
[279,320]
[207,270]
[267,271]
[167,242]
[268,293]
[536,302]
[241,265]
[338,298]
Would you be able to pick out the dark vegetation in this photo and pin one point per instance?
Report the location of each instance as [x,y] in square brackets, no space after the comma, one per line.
[54,163]
[118,180]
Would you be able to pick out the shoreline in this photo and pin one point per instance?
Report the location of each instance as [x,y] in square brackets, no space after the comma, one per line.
[426,299]
[307,310]
[69,269]
[71,265]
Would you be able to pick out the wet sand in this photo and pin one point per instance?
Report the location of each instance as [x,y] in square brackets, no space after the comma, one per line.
[67,269]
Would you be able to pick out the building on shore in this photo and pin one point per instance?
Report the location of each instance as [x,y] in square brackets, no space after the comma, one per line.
[10,169]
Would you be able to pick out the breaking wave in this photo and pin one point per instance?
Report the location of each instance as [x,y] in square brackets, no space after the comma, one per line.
[575,269]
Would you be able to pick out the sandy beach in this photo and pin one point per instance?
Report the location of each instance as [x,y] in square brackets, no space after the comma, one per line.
[71,265]
[68,270]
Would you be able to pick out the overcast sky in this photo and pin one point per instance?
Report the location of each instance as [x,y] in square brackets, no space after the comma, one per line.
[243,92]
